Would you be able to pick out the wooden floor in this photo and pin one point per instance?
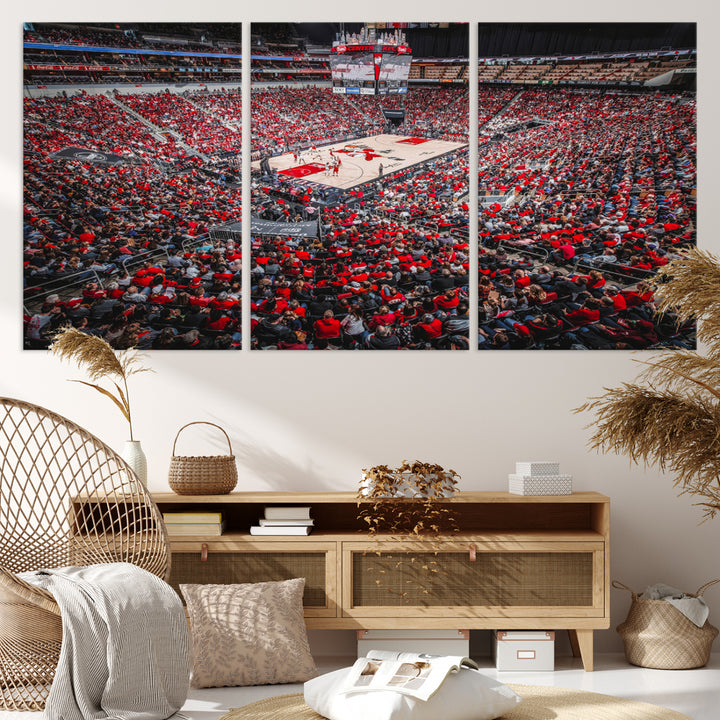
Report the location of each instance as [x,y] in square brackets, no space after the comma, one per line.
[360,159]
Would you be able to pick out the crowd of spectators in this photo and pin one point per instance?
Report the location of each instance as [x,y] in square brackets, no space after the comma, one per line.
[440,112]
[94,122]
[491,101]
[577,212]
[142,223]
[583,195]
[283,118]
[139,53]
[81,67]
[203,125]
[291,74]
[388,268]
[80,35]
[164,36]
[133,236]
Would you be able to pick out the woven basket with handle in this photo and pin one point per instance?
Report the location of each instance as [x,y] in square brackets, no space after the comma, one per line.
[202,475]
[657,635]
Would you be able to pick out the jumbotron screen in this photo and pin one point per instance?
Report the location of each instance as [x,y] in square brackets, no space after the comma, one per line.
[394,70]
[353,69]
[370,69]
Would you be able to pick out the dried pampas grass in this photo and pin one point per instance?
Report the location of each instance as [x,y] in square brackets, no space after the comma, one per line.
[100,362]
[670,416]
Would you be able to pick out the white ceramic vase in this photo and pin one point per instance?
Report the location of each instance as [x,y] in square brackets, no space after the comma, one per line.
[134,456]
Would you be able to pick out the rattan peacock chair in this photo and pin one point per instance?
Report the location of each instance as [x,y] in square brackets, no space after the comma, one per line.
[65,499]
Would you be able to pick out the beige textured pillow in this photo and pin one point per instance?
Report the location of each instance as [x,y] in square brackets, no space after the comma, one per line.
[250,634]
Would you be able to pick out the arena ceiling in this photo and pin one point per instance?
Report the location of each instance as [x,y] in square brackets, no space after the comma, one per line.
[513,39]
[435,41]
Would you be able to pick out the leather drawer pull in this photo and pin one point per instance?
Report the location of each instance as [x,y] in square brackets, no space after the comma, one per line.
[204,552]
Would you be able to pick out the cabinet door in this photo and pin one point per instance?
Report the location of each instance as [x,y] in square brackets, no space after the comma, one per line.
[231,562]
[473,578]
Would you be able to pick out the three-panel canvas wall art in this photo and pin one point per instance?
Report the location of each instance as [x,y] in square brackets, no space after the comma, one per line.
[401,197]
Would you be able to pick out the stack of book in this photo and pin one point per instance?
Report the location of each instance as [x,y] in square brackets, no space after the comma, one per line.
[194,523]
[539,478]
[286,520]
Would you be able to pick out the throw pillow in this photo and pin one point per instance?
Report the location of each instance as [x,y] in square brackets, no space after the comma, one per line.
[249,634]
[465,695]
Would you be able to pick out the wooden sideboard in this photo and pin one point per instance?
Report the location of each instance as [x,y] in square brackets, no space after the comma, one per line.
[518,562]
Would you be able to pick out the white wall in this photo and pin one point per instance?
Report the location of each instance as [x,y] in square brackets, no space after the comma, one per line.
[308,421]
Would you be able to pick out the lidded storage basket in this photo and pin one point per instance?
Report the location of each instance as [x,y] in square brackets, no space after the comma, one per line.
[657,635]
[202,475]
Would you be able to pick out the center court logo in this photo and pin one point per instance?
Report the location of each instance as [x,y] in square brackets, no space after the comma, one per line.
[88,155]
[362,151]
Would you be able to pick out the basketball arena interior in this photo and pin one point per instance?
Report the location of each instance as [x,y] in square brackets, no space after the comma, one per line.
[361,209]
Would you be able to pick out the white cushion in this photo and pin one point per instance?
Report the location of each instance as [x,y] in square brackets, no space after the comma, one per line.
[465,695]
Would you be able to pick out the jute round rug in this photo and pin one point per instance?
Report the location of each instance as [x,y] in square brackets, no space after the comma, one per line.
[539,703]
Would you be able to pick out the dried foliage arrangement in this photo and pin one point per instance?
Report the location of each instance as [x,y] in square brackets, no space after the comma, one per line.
[101,362]
[404,500]
[670,416]
[407,501]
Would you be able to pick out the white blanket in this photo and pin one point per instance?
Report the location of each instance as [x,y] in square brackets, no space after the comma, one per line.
[125,644]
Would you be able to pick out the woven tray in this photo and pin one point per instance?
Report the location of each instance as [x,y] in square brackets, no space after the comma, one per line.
[657,635]
[202,475]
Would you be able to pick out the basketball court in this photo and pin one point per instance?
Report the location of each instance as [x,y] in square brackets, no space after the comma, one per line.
[360,159]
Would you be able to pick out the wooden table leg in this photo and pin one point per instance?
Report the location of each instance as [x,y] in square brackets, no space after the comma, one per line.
[574,643]
[581,642]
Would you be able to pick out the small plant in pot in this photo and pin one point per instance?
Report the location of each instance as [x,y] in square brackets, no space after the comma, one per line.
[427,480]
[412,479]
[403,500]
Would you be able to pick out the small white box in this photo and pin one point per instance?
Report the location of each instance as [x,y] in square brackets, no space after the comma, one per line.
[537,468]
[431,642]
[547,485]
[524,650]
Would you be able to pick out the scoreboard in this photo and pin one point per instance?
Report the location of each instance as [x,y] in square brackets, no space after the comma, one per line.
[370,69]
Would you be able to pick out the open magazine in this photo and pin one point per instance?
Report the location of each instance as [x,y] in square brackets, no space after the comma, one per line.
[413,674]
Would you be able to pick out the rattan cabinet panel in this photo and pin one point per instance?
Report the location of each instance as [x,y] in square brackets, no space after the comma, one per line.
[520,580]
[523,580]
[237,567]
[233,561]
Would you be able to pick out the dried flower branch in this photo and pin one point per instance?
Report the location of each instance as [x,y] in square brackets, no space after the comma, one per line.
[670,416]
[689,286]
[100,361]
